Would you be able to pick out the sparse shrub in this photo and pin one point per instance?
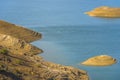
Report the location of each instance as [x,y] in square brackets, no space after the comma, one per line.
[38,65]
[18,61]
[4,51]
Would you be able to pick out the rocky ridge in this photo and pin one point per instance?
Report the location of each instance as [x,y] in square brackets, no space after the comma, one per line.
[18,46]
[18,32]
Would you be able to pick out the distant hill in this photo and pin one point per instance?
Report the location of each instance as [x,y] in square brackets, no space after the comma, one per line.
[105,12]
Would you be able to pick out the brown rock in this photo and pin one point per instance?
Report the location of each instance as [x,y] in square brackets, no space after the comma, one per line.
[18,46]
[16,39]
[18,32]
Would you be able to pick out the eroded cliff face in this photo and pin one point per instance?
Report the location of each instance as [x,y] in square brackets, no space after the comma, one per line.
[19,62]
[18,46]
[17,39]
[18,32]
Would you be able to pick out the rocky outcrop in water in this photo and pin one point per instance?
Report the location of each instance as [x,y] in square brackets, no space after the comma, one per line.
[101,60]
[19,62]
[104,11]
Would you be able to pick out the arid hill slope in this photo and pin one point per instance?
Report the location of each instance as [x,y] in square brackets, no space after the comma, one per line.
[18,32]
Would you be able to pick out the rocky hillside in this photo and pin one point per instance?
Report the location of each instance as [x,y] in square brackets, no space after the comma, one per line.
[18,32]
[18,46]
[19,62]
[21,67]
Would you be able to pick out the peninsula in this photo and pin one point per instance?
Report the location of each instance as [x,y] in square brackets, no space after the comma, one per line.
[105,12]
[18,59]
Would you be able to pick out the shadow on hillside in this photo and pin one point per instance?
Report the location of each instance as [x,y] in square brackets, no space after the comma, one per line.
[10,75]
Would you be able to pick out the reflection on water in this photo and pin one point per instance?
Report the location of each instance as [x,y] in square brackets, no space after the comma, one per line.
[74,44]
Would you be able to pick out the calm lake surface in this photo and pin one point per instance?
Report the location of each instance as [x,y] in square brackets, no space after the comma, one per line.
[69,36]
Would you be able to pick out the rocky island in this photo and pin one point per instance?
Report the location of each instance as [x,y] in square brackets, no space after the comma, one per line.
[105,12]
[101,60]
[18,59]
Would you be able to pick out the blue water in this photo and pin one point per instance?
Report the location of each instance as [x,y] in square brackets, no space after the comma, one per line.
[69,36]
[70,45]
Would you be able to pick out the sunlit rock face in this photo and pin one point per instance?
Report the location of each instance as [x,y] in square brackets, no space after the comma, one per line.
[105,12]
[18,32]
[101,60]
[18,46]
[17,39]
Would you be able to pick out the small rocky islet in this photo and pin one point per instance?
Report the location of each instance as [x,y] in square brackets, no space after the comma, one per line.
[18,59]
[105,12]
[101,60]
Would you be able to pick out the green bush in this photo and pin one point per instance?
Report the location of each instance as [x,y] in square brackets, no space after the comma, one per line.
[3,51]
[18,61]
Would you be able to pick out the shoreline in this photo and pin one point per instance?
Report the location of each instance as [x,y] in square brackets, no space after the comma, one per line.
[21,60]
